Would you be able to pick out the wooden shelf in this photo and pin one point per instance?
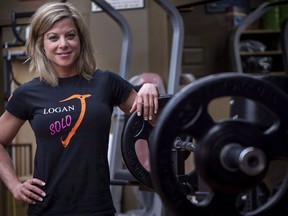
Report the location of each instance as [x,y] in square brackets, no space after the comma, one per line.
[271,40]
[14,51]
[265,53]
[261,31]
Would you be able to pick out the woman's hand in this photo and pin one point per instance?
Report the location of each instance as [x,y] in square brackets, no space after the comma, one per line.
[146,99]
[29,191]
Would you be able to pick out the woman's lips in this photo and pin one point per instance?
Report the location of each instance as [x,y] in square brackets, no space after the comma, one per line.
[64,54]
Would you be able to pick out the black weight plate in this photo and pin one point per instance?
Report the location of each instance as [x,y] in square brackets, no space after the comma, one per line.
[187,112]
[135,129]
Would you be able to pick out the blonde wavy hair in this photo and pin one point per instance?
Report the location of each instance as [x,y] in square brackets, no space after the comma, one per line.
[41,22]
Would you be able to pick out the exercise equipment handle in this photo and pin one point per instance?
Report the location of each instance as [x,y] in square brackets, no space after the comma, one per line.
[177,45]
[127,36]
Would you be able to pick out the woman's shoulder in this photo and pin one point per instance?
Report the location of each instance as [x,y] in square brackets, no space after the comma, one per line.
[107,73]
[33,82]
[33,85]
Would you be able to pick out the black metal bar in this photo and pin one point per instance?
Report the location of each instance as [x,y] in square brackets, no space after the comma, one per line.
[284,44]
[14,24]
[6,66]
[18,15]
[195,3]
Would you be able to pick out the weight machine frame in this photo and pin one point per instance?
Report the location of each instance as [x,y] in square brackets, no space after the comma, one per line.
[253,16]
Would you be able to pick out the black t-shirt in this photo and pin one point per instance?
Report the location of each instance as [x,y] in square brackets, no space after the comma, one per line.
[71,123]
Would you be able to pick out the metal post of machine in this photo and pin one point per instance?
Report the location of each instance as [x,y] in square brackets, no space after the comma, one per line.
[177,45]
[118,116]
[175,69]
[127,36]
[284,43]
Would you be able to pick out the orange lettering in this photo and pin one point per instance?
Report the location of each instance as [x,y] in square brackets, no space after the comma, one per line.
[80,118]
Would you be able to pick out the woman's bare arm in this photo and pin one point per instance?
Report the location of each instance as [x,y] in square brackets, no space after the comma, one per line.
[27,191]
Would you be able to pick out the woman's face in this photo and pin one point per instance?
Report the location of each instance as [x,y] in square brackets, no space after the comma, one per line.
[62,47]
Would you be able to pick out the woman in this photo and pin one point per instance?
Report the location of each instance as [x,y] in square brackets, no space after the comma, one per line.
[69,107]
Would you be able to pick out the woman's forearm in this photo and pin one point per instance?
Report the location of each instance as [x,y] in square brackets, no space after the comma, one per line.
[7,171]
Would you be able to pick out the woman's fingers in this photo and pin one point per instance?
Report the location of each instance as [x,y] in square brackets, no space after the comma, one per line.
[30,191]
[147,101]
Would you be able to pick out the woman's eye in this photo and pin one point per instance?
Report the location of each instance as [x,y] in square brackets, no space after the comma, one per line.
[53,38]
[71,36]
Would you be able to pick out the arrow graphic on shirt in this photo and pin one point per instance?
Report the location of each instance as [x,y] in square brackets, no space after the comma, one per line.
[80,118]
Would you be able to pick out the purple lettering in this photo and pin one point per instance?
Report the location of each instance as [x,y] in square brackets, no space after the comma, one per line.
[57,126]
[52,131]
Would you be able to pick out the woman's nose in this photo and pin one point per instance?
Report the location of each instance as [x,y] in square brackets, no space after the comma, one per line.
[63,42]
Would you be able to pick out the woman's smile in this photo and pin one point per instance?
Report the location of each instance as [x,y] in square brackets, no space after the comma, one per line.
[62,47]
